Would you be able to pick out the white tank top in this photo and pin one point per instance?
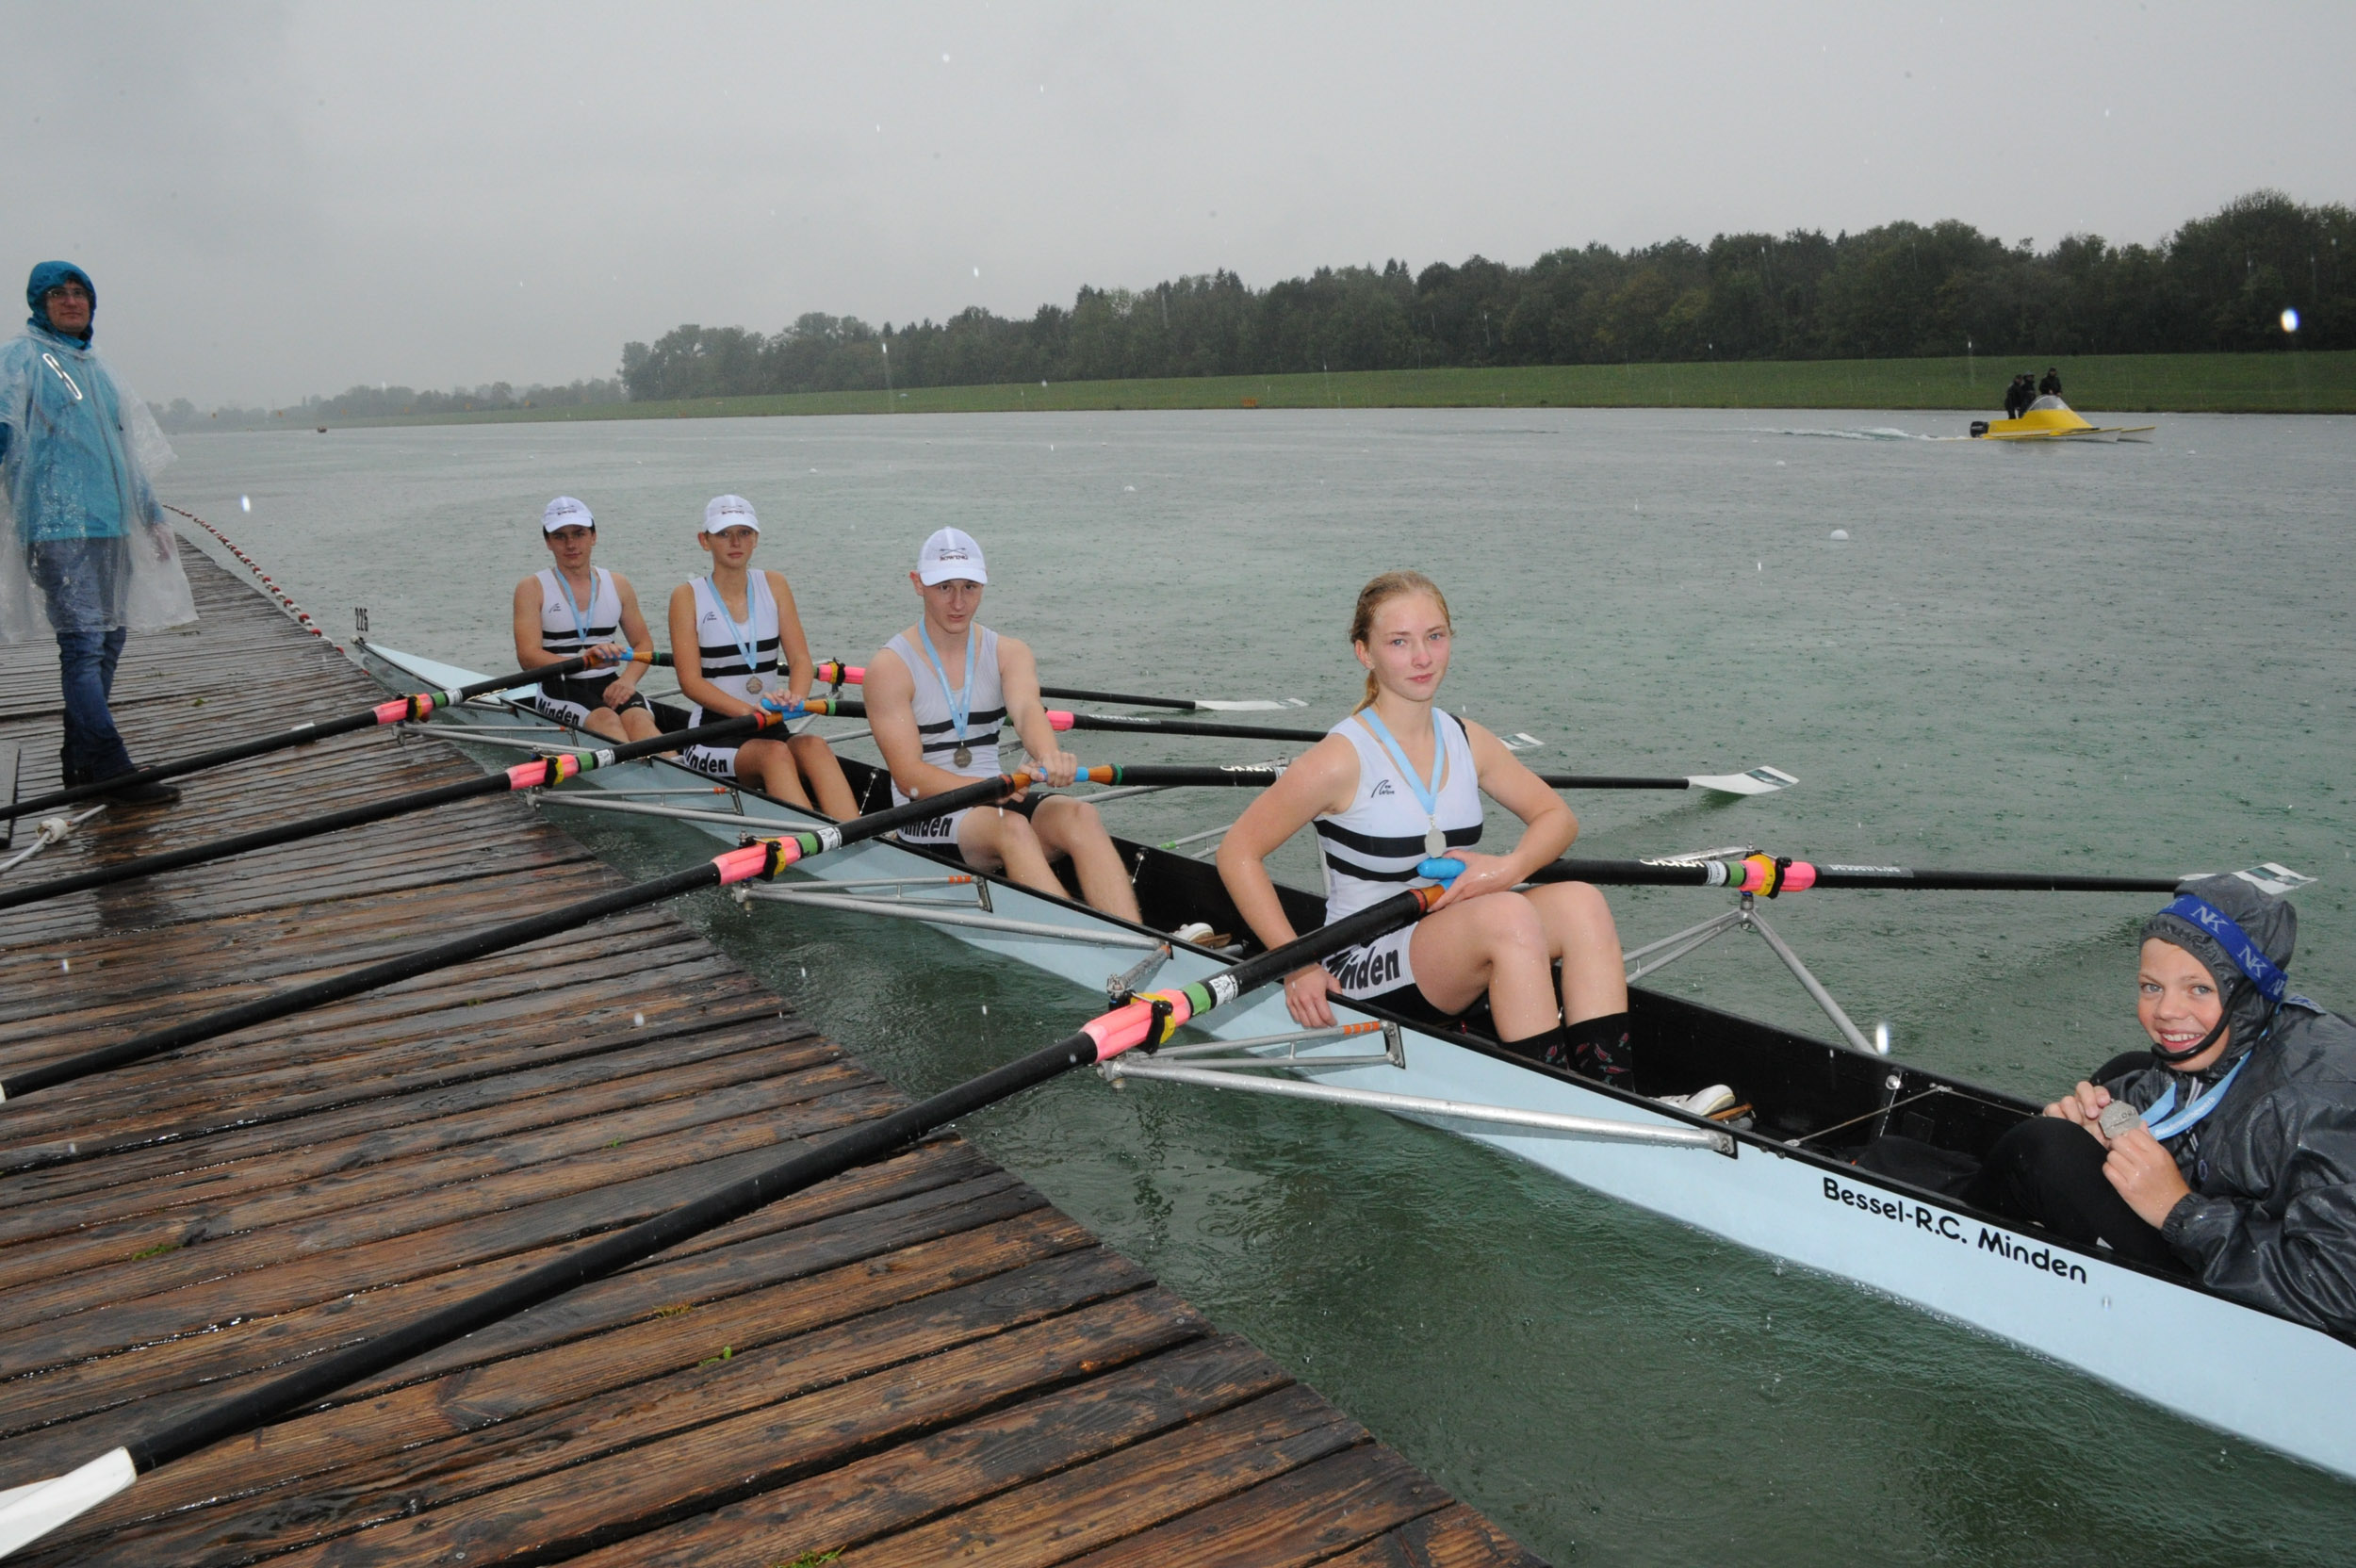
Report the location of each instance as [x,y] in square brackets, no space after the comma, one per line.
[601,619]
[934,726]
[721,657]
[1372,849]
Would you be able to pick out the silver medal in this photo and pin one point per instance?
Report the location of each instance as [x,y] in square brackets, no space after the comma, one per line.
[2118,1117]
[1435,842]
[962,756]
[752,684]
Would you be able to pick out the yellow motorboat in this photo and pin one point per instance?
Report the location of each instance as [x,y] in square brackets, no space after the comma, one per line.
[2051,419]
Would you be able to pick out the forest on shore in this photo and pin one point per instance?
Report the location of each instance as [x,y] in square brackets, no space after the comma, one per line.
[2219,284]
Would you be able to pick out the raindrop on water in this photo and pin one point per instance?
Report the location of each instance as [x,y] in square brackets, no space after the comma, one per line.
[245,503]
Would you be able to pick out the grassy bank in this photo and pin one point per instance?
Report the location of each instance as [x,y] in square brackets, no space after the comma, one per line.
[2203,384]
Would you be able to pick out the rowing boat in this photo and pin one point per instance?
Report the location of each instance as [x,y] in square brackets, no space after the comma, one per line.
[1779,1181]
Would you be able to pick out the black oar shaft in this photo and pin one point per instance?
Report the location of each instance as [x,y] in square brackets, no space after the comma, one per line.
[519,777]
[317,1378]
[1611,781]
[1079,694]
[481,944]
[1725,874]
[301,998]
[300,735]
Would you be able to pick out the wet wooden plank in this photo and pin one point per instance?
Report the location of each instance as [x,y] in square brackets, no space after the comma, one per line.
[917,1359]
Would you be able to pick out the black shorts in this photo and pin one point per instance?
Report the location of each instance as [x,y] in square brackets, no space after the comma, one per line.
[571,702]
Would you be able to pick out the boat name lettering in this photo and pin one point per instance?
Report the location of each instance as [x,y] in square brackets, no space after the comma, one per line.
[1923,1218]
[2051,1262]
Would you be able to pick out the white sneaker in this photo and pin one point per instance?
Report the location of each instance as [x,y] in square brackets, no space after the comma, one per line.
[1193,931]
[1702,1102]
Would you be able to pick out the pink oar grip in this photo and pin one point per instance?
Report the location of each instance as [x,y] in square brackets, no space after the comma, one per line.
[743,865]
[1124,1028]
[393,712]
[1798,875]
[1058,719]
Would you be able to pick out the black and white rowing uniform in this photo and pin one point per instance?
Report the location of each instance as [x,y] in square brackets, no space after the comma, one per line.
[1372,849]
[936,727]
[570,699]
[721,659]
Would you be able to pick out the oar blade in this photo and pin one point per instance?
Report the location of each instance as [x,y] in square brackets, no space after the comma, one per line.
[2271,877]
[1761,780]
[29,1512]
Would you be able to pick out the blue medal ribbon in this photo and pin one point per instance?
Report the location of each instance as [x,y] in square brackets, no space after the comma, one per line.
[961,701]
[1427,792]
[581,622]
[2164,1126]
[742,637]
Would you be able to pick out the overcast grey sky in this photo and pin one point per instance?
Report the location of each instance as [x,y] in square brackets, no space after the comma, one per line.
[283,199]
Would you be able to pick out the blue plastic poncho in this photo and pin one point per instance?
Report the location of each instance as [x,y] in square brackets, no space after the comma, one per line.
[76,453]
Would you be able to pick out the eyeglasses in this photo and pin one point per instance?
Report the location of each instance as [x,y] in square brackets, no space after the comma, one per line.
[67,291]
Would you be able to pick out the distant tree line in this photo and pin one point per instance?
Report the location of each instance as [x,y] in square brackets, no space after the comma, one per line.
[1901,290]
[380,403]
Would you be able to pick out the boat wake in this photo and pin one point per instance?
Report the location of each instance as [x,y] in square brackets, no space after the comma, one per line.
[1870,432]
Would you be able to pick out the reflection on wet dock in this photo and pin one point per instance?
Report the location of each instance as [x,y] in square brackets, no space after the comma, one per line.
[915,1362]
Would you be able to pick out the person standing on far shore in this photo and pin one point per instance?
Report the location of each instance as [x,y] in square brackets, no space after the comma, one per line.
[83,526]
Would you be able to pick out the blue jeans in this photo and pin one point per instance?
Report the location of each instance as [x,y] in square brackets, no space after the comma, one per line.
[84,581]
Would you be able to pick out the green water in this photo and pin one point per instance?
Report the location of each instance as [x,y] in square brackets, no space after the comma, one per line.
[2130,659]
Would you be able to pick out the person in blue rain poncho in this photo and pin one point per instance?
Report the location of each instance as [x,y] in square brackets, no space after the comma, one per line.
[84,553]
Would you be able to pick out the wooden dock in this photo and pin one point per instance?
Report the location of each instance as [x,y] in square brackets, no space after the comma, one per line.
[918,1362]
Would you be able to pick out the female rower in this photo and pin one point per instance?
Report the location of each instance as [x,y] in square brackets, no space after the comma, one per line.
[2231,1150]
[731,629]
[572,608]
[1397,782]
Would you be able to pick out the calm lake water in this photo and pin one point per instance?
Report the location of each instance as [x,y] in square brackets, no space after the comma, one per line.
[2133,658]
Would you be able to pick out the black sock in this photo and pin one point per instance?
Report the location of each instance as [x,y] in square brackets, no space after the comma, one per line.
[1602,1048]
[1550,1046]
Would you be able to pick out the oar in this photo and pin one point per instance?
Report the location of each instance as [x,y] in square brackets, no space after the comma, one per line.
[401,711]
[1758,781]
[836,673]
[537,774]
[762,857]
[1774,874]
[29,1512]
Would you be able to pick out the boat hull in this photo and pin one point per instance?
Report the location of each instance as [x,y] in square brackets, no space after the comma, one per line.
[2286,1386]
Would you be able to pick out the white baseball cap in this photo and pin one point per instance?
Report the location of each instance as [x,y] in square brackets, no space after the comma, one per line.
[726,512]
[564,511]
[949,555]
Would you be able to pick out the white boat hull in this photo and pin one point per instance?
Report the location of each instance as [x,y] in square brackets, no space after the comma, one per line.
[2275,1382]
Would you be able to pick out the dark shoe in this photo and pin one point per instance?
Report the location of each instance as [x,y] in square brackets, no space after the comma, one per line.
[146,793]
[68,774]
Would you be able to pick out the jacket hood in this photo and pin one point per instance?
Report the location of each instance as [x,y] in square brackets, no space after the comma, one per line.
[46,276]
[2272,923]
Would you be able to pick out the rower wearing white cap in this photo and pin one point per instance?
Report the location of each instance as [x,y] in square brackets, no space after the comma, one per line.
[736,642]
[571,607]
[938,695]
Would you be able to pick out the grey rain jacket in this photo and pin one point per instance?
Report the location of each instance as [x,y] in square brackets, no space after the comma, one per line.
[2272,1220]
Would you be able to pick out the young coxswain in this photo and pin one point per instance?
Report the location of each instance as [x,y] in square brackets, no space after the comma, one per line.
[1398,782]
[571,607]
[2229,1152]
[938,695]
[736,642]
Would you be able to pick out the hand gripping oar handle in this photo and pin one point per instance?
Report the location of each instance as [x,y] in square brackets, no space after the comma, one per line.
[1147,1020]
[1774,874]
[762,857]
[399,710]
[523,775]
